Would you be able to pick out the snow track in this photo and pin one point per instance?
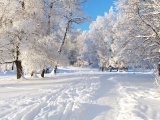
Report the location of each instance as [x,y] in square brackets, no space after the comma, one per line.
[81,96]
[47,99]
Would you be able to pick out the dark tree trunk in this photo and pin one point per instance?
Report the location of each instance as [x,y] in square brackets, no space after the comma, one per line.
[13,66]
[42,74]
[55,69]
[32,73]
[19,69]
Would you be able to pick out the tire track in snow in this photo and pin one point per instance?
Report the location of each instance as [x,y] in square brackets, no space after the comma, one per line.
[22,98]
[63,100]
[33,112]
[68,98]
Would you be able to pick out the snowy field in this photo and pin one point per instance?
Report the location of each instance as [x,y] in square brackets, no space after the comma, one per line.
[81,94]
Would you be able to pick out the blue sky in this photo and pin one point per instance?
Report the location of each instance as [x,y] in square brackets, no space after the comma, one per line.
[94,8]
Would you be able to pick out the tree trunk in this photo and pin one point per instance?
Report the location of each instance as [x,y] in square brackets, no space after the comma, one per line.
[118,69]
[13,66]
[19,69]
[32,73]
[55,69]
[42,74]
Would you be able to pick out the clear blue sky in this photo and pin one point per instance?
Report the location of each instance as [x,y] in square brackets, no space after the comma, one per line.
[94,8]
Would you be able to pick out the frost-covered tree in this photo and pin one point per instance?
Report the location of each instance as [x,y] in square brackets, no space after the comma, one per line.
[32,33]
[136,41]
[149,13]
[20,24]
[80,48]
[90,53]
[71,47]
[72,13]
[100,36]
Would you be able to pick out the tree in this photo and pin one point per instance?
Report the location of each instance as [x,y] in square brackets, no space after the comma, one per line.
[36,28]
[19,28]
[100,36]
[137,30]
[72,13]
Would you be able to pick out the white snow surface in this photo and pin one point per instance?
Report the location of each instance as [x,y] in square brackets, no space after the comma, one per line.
[81,95]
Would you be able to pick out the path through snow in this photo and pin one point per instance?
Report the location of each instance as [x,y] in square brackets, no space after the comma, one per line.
[81,96]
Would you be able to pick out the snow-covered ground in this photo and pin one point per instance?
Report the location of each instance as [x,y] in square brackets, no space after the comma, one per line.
[80,95]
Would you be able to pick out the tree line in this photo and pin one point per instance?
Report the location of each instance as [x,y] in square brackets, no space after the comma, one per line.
[128,35]
[37,34]
[33,32]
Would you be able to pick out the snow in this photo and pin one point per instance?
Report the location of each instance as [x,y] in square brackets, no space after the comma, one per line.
[82,95]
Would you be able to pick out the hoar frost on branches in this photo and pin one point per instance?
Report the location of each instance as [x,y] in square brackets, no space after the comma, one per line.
[137,31]
[32,31]
[99,39]
[129,37]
